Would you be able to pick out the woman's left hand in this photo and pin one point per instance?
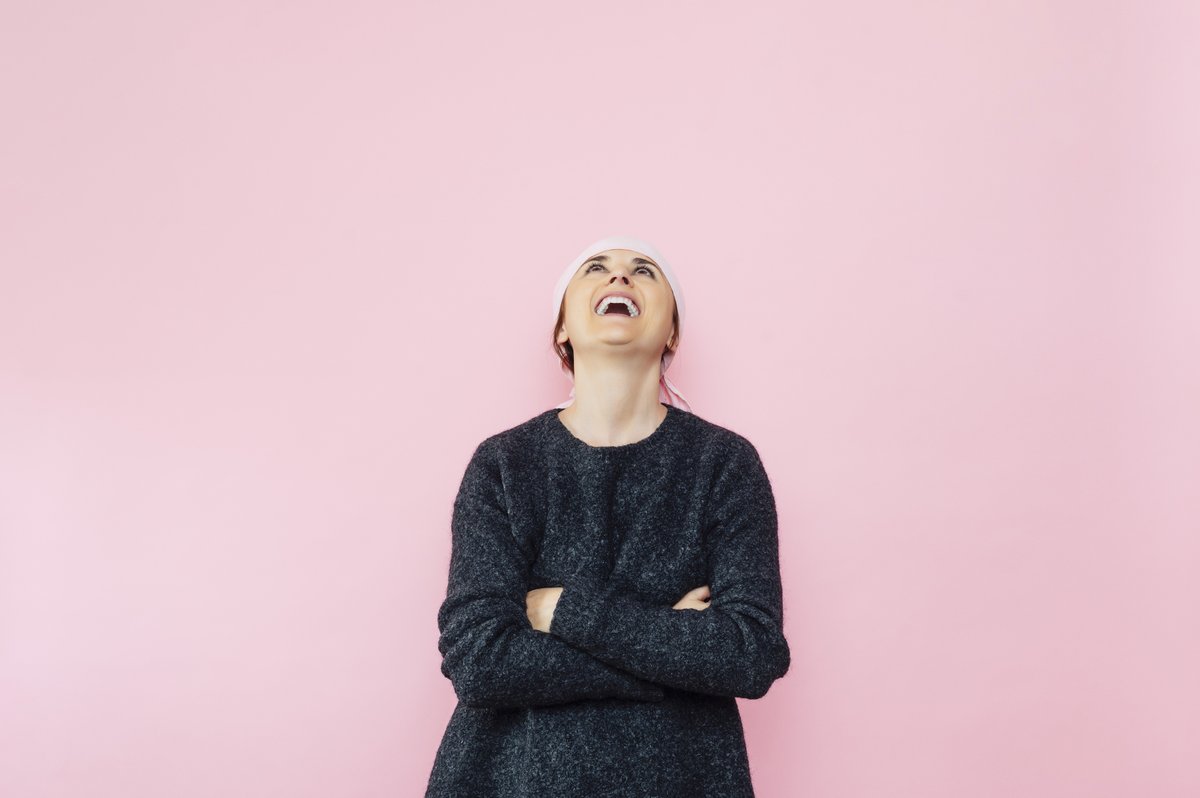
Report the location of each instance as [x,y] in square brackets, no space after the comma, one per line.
[539,606]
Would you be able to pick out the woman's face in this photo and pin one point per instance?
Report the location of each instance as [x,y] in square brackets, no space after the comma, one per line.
[628,272]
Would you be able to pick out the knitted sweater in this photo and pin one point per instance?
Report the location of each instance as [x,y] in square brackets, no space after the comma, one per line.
[625,695]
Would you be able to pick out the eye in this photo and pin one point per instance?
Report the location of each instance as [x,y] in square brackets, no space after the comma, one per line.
[646,269]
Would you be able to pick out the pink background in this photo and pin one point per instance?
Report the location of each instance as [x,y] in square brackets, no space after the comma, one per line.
[271,270]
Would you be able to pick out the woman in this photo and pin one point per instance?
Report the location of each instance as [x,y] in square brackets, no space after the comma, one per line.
[614,570]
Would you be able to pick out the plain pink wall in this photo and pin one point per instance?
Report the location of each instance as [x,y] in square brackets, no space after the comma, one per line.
[271,270]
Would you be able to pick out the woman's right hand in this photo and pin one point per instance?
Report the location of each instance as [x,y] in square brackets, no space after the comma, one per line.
[695,599]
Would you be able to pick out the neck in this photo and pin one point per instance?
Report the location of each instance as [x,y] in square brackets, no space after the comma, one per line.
[616,401]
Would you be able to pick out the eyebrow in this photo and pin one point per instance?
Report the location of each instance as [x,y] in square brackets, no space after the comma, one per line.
[635,261]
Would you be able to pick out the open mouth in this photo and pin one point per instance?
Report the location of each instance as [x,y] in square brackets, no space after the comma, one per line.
[615,305]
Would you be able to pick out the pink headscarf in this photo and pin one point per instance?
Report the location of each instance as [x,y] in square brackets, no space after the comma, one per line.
[667,392]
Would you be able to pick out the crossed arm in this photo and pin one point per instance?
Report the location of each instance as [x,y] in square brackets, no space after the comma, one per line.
[490,652]
[603,642]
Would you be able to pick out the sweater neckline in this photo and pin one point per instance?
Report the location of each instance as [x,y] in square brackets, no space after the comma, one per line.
[562,432]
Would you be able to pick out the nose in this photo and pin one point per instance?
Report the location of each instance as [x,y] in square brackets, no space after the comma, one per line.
[620,276]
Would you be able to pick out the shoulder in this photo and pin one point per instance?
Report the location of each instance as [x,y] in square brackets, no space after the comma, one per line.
[737,479]
[503,451]
[720,443]
[525,436]
[735,470]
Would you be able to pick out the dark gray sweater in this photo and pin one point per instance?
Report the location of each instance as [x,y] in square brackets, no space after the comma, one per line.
[625,696]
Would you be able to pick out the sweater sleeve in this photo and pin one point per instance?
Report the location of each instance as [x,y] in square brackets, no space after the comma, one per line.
[735,646]
[490,651]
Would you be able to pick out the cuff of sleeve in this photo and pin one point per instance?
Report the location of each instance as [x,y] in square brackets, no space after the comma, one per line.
[579,613]
[645,691]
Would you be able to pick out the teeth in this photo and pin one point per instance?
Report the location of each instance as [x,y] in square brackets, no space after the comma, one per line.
[602,308]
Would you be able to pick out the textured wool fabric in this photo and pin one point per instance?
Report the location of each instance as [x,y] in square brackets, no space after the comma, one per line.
[625,695]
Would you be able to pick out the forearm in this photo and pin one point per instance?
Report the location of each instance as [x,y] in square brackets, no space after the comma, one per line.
[734,647]
[496,660]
